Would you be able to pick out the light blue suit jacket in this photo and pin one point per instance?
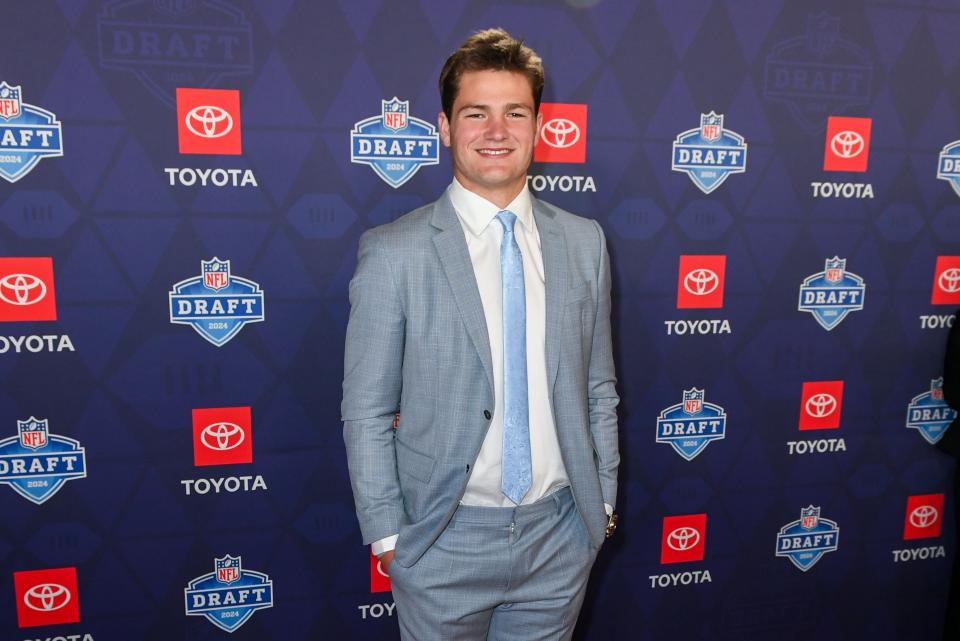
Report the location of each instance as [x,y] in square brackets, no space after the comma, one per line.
[417,343]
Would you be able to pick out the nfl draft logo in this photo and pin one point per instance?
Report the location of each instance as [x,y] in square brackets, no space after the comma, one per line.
[832,294]
[818,72]
[709,153]
[229,595]
[36,463]
[164,43]
[948,167]
[394,144]
[807,539]
[216,303]
[929,414]
[691,425]
[27,134]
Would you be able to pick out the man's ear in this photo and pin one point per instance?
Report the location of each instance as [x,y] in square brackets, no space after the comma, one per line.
[443,124]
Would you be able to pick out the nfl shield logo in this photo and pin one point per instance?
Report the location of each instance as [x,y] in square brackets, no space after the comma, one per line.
[936,389]
[228,569]
[175,7]
[809,517]
[9,101]
[395,113]
[33,433]
[711,126]
[834,270]
[216,273]
[693,401]
[822,33]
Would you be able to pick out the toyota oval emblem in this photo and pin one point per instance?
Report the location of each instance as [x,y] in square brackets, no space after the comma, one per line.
[847,144]
[683,538]
[22,289]
[949,280]
[923,516]
[46,597]
[820,405]
[222,436]
[560,133]
[701,282]
[209,121]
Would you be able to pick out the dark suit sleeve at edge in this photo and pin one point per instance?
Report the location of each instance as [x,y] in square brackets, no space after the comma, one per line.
[950,443]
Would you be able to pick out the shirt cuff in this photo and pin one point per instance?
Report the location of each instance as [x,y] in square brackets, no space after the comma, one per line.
[606,506]
[381,547]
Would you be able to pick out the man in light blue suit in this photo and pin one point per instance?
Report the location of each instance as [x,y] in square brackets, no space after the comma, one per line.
[483,318]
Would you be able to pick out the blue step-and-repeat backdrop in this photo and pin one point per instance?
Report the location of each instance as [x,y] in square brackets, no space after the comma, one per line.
[184,183]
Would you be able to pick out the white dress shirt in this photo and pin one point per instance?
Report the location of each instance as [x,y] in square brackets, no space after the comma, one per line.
[484,234]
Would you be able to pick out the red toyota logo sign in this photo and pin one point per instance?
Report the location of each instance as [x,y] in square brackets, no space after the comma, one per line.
[847,145]
[379,579]
[924,516]
[946,281]
[46,597]
[700,284]
[222,436]
[563,133]
[820,404]
[208,121]
[26,289]
[683,538]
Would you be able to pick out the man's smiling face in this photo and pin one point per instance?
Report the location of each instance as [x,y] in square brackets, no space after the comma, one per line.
[491,133]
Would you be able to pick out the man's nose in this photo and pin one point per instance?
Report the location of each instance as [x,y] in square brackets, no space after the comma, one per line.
[496,128]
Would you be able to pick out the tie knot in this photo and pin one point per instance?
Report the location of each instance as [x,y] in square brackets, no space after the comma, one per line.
[507,218]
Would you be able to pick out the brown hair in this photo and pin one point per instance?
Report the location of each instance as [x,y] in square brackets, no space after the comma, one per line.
[490,49]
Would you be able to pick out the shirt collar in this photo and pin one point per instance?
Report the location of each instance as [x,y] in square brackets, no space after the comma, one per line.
[477,212]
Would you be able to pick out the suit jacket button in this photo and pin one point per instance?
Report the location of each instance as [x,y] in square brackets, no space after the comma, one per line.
[487,414]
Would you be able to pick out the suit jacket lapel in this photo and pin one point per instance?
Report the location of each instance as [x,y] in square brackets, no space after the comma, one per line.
[455,259]
[554,248]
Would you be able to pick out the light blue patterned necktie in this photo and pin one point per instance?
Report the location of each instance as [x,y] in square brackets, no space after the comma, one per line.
[515,472]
